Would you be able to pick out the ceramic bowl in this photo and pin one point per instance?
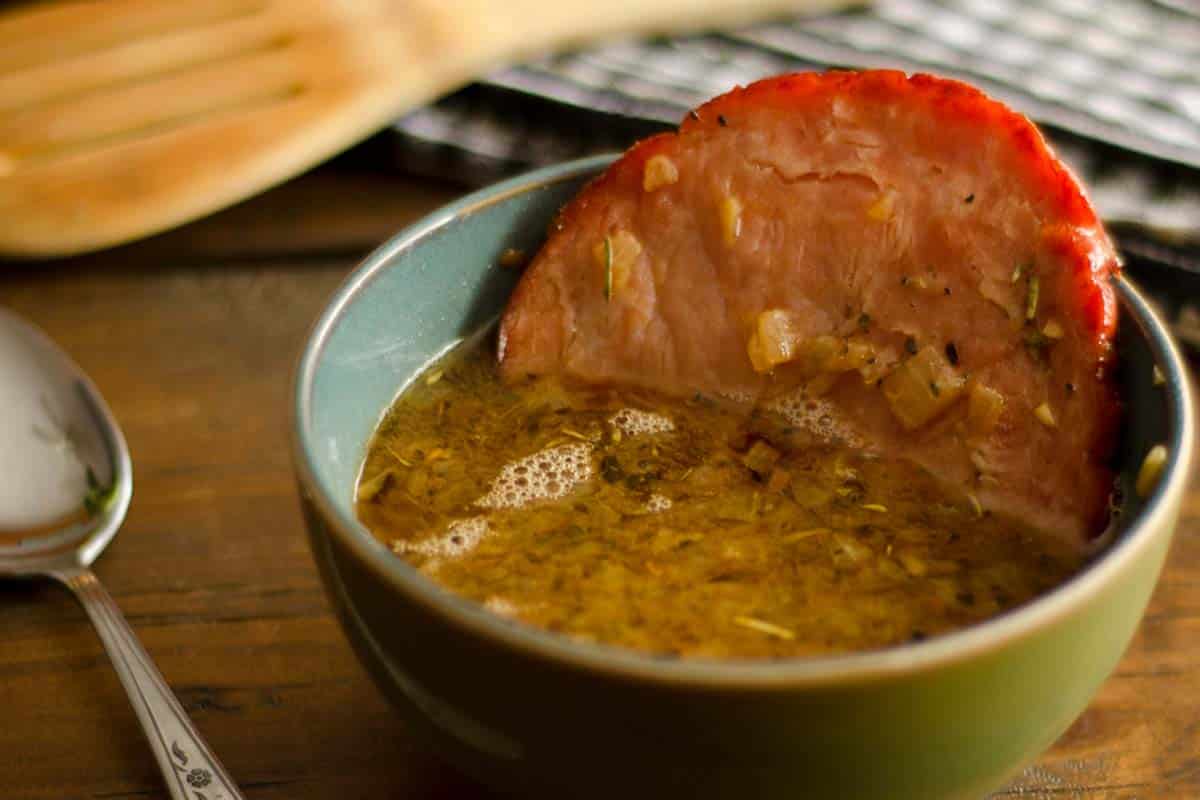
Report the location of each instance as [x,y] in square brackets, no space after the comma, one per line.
[534,713]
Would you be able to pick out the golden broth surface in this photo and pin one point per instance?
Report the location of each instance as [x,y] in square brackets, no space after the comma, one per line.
[682,528]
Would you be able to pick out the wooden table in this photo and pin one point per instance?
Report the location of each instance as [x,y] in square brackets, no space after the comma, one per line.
[192,336]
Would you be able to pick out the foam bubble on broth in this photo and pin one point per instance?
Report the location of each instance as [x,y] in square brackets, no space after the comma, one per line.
[657,503]
[635,422]
[460,537]
[546,475]
[815,415]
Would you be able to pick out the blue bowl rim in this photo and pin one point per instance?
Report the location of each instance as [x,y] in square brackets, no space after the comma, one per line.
[975,641]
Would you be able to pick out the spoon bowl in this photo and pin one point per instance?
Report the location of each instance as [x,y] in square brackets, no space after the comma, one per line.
[69,483]
[74,418]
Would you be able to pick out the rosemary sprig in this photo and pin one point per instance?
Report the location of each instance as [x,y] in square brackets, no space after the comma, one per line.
[98,498]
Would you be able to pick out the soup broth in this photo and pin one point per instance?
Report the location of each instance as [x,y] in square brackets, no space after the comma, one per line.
[684,528]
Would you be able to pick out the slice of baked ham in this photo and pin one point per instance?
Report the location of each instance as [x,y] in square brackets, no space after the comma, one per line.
[900,263]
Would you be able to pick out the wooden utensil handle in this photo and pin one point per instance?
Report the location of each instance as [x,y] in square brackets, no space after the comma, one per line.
[484,32]
[122,121]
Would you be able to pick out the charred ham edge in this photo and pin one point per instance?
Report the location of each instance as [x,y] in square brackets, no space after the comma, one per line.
[689,265]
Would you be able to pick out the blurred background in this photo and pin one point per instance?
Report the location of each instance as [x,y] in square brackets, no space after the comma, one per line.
[1114,83]
[121,119]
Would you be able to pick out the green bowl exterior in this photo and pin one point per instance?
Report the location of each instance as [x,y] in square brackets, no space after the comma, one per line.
[520,718]
[534,726]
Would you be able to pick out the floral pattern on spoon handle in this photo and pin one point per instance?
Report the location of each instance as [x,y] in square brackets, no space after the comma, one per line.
[190,770]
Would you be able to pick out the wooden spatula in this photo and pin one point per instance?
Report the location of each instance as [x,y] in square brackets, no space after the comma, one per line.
[122,118]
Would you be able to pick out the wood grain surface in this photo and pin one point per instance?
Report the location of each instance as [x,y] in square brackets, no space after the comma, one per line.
[192,336]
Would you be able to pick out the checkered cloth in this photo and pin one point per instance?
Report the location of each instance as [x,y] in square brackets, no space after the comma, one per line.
[1121,72]
[1116,83]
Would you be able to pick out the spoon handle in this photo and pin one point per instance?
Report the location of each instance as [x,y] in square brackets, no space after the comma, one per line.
[189,768]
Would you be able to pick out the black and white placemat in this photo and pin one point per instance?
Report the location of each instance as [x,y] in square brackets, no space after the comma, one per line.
[1116,84]
[1125,73]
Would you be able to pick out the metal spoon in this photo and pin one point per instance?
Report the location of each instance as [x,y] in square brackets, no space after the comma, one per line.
[64,450]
